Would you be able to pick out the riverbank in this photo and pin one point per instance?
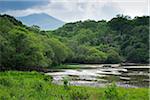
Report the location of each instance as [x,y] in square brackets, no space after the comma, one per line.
[33,85]
[68,66]
[91,66]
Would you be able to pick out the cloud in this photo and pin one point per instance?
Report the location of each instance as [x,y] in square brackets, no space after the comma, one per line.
[134,8]
[73,10]
[20,4]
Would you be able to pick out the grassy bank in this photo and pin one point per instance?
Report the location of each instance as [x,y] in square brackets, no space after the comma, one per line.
[71,66]
[67,66]
[35,86]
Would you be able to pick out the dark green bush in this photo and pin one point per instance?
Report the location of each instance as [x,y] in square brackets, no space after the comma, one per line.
[79,94]
[5,82]
[38,86]
[111,92]
[66,83]
[48,78]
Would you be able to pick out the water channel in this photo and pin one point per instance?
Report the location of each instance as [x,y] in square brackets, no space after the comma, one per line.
[102,75]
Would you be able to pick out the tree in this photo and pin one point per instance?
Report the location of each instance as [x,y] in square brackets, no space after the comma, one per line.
[95,56]
[113,57]
[61,52]
[144,20]
[138,55]
[35,28]
[6,52]
[121,23]
[29,51]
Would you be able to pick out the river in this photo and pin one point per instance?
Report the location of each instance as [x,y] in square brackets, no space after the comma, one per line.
[102,75]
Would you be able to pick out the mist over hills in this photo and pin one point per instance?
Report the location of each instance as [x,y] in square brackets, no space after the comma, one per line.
[44,21]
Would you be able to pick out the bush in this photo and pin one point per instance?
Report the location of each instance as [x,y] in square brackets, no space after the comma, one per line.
[79,94]
[66,83]
[113,57]
[138,55]
[5,82]
[111,92]
[48,78]
[38,85]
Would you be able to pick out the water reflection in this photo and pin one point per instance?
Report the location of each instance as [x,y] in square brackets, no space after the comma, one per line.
[97,75]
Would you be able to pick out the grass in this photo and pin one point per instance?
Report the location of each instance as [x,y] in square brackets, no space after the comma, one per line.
[71,66]
[16,85]
[67,67]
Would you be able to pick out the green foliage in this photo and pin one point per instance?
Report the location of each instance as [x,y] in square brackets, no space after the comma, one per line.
[141,20]
[23,47]
[87,54]
[5,82]
[8,22]
[120,23]
[113,57]
[138,55]
[79,42]
[111,92]
[35,28]
[117,36]
[38,86]
[79,94]
[26,48]
[95,56]
[61,52]
[66,83]
[48,78]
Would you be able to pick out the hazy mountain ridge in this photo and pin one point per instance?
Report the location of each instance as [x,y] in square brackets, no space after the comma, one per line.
[44,21]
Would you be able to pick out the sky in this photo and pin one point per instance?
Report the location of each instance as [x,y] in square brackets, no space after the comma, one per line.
[75,10]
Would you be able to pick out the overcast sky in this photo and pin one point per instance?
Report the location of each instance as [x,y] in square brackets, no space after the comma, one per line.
[74,10]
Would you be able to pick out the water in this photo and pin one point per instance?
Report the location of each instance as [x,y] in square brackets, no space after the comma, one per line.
[99,76]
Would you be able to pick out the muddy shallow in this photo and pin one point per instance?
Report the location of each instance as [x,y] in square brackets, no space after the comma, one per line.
[97,75]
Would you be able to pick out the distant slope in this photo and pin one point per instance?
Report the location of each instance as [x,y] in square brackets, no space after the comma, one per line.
[44,21]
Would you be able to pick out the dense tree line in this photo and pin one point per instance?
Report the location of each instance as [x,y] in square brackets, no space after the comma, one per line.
[121,39]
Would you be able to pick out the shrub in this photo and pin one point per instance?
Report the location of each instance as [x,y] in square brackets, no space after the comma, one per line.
[113,57]
[66,83]
[111,92]
[38,85]
[48,78]
[5,82]
[79,94]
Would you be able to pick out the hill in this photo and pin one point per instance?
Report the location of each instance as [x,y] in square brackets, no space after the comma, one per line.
[121,39]
[22,46]
[44,21]
[94,42]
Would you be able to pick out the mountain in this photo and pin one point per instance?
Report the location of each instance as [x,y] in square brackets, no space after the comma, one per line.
[44,21]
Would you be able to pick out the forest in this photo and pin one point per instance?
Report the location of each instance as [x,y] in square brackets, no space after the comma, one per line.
[121,39]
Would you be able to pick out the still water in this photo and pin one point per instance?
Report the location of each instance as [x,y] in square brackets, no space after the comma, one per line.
[100,76]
